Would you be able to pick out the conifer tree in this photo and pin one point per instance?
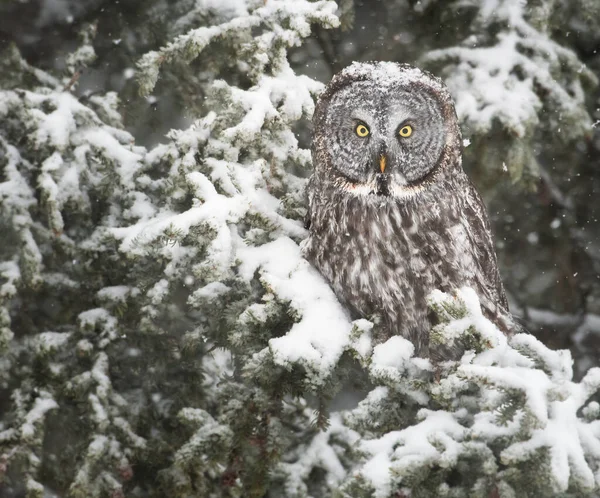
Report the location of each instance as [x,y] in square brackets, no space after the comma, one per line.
[160,332]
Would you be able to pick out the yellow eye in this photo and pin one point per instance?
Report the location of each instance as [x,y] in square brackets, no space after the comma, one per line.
[362,131]
[406,131]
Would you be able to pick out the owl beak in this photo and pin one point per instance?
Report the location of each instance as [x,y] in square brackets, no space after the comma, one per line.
[382,161]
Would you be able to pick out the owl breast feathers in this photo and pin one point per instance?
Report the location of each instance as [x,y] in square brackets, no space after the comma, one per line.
[392,214]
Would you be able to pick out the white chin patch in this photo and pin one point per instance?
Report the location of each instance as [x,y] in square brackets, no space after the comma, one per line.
[370,189]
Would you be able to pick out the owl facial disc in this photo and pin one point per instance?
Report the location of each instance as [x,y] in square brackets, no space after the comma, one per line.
[386,133]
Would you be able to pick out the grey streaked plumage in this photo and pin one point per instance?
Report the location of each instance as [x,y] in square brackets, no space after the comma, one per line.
[385,239]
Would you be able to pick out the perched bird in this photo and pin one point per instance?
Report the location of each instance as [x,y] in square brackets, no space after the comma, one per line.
[392,214]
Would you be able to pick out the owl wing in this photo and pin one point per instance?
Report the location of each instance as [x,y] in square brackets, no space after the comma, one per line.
[309,193]
[481,233]
[307,218]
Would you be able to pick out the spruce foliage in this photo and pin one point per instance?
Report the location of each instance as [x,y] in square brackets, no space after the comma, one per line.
[160,332]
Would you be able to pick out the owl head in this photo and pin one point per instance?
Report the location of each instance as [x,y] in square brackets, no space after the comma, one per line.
[385,129]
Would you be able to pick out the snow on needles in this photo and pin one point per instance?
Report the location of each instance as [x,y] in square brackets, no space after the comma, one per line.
[546,417]
[481,74]
[433,441]
[525,393]
[318,340]
[297,14]
[228,189]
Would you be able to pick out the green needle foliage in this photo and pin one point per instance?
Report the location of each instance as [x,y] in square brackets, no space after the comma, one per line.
[161,333]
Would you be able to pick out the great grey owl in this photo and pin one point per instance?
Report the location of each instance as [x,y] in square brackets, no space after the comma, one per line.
[392,215]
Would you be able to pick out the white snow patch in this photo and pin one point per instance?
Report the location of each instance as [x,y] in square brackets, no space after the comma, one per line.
[42,405]
[323,333]
[117,293]
[212,291]
[412,446]
[393,353]
[47,342]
